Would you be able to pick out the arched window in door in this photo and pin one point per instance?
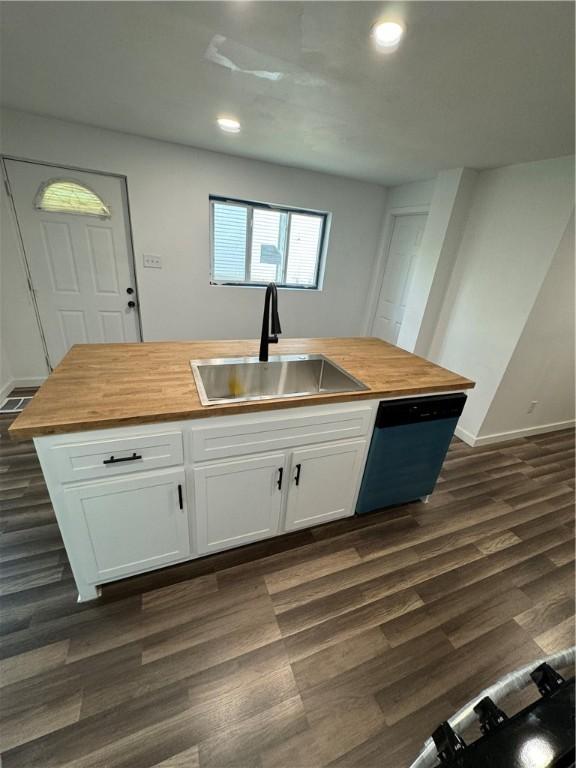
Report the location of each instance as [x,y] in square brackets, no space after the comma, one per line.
[69,196]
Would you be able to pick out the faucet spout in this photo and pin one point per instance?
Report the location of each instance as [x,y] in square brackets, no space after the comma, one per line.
[269,334]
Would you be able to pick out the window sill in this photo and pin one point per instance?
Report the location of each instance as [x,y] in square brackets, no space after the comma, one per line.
[263,286]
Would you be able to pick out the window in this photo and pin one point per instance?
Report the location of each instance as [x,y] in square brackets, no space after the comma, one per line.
[69,196]
[255,244]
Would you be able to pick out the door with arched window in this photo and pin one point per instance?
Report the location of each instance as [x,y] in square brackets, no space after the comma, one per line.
[76,238]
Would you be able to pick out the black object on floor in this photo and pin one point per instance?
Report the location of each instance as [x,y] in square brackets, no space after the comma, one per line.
[539,736]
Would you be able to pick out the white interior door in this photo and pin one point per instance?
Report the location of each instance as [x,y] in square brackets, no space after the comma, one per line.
[80,264]
[407,234]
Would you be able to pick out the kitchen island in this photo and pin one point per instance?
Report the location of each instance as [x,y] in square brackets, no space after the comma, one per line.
[142,475]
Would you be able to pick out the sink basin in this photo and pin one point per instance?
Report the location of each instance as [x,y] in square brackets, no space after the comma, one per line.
[237,379]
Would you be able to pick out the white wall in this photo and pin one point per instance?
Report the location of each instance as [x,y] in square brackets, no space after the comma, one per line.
[415,193]
[446,200]
[517,218]
[168,187]
[542,366]
[5,367]
[447,216]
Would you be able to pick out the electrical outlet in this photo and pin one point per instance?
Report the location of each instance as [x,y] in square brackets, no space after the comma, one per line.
[154,262]
[532,406]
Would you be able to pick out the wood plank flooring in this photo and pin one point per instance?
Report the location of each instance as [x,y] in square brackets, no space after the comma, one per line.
[340,646]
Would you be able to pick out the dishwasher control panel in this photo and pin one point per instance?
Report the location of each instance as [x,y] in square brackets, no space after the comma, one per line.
[417,409]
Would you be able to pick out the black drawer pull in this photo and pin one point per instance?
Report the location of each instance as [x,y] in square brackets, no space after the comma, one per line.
[298,470]
[180,499]
[280,473]
[112,460]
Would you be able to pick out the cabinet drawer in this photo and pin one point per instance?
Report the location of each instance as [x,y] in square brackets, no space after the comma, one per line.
[254,435]
[116,456]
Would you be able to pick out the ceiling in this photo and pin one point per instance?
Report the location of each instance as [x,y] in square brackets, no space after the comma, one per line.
[478,84]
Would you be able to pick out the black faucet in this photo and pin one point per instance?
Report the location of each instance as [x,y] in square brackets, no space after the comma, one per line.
[266,338]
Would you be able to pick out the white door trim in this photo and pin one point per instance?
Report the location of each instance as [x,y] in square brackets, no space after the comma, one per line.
[22,255]
[380,269]
[66,167]
[123,180]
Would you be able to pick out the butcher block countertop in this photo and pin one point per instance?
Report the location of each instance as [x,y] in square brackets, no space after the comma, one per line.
[97,386]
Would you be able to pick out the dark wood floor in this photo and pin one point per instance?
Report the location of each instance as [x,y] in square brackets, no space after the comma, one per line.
[343,646]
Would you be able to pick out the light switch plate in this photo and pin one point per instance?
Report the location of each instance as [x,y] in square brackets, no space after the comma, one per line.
[154,262]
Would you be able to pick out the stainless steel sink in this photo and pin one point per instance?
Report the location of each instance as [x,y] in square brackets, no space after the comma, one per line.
[237,379]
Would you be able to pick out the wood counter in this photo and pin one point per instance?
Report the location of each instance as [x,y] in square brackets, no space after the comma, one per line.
[97,386]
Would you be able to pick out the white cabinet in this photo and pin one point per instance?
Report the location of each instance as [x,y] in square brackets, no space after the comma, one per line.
[120,494]
[323,483]
[125,526]
[238,501]
[241,500]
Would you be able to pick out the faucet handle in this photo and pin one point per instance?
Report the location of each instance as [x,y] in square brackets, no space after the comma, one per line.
[276,328]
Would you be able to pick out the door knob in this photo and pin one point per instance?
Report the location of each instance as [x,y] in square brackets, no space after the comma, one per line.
[131,304]
[129,290]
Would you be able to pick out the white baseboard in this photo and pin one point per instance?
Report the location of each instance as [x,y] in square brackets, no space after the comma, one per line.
[502,437]
[5,390]
[466,436]
[29,381]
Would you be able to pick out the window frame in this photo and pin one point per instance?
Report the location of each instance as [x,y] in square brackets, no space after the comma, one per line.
[39,197]
[250,205]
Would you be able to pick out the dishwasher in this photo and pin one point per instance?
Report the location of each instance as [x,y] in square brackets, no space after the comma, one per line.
[410,440]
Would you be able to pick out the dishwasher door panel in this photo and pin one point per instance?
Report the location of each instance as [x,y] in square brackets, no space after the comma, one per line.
[404,462]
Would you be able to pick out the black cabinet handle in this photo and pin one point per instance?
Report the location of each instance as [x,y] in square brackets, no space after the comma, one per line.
[129,291]
[131,304]
[280,473]
[112,460]
[180,499]
[297,476]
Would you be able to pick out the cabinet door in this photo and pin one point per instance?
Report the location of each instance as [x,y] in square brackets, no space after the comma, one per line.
[238,501]
[323,483]
[129,525]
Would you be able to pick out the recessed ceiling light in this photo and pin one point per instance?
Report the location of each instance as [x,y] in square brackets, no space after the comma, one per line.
[387,34]
[228,124]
